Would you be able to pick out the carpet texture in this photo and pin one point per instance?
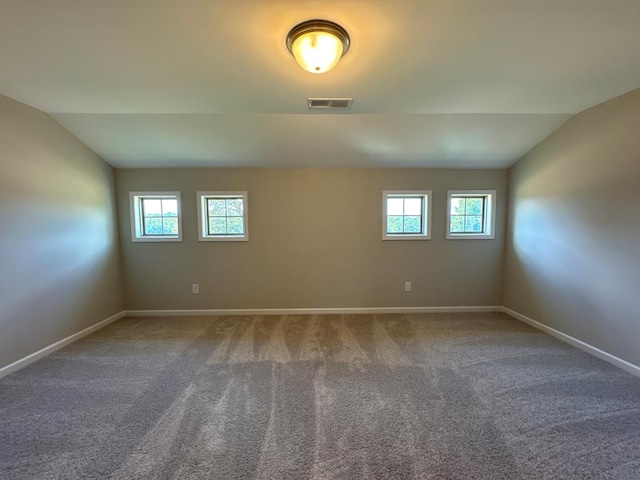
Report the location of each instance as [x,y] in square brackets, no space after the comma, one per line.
[425,396]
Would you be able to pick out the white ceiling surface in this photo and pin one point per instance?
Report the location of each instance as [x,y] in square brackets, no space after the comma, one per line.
[455,83]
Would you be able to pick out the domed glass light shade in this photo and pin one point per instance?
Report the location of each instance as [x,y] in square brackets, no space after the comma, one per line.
[318,45]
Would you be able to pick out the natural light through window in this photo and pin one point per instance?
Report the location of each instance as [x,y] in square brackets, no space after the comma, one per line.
[222,216]
[406,215]
[155,216]
[471,214]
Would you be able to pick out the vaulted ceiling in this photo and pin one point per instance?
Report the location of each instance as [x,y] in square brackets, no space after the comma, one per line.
[446,83]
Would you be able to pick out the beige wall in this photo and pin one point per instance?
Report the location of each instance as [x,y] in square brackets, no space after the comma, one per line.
[573,252]
[59,258]
[315,241]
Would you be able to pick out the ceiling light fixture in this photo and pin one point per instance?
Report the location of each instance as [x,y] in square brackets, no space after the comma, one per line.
[318,45]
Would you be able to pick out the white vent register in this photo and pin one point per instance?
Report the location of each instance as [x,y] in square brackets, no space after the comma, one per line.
[329,102]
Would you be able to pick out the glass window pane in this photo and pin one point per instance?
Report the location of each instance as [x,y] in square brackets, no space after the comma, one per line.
[218,226]
[413,206]
[394,224]
[151,207]
[153,226]
[216,207]
[474,206]
[457,224]
[457,206]
[170,226]
[235,225]
[395,206]
[473,224]
[412,224]
[170,208]
[234,207]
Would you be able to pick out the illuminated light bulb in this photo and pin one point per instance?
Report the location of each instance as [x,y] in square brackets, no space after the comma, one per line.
[317,52]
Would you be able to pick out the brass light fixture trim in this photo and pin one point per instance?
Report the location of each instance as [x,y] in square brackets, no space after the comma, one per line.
[317,45]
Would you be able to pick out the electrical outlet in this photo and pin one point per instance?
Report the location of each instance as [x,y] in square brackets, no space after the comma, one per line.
[407,286]
[195,288]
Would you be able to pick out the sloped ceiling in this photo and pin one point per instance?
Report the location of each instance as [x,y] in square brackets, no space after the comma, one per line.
[456,83]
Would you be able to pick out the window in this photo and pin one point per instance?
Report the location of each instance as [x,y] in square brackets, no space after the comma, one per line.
[406,215]
[222,216]
[155,216]
[471,214]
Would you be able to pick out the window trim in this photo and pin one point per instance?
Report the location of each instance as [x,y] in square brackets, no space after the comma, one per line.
[135,210]
[427,208]
[203,236]
[490,197]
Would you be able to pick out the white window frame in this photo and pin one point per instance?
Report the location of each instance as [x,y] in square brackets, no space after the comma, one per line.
[202,197]
[137,227]
[489,227]
[426,196]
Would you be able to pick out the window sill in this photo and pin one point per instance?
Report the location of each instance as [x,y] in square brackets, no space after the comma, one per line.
[229,238]
[406,237]
[463,236]
[156,240]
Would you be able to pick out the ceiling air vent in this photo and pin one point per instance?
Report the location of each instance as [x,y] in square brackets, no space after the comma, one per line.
[329,102]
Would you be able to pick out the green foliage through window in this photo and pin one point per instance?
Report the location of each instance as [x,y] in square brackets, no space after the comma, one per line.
[225,216]
[467,214]
[159,216]
[405,215]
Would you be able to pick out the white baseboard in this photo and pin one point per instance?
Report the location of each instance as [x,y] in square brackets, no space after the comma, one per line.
[23,362]
[596,352]
[307,311]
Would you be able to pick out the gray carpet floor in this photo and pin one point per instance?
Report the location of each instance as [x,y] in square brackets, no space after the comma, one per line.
[428,396]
